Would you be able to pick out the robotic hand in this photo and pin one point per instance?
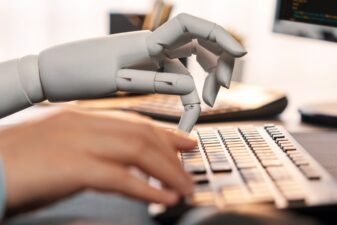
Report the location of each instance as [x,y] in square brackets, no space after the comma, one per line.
[127,62]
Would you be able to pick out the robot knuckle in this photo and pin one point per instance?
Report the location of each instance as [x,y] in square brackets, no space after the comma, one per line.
[183,16]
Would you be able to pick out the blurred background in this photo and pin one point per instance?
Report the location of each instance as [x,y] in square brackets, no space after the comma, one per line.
[306,69]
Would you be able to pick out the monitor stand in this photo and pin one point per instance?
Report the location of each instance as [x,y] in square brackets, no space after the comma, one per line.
[321,114]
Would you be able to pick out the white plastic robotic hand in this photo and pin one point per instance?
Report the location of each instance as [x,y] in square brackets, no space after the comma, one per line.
[127,62]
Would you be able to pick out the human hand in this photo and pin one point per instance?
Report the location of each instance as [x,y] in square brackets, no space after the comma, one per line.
[49,159]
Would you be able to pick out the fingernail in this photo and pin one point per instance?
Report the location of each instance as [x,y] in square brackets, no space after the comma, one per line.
[241,51]
[189,137]
[181,133]
[209,100]
[193,139]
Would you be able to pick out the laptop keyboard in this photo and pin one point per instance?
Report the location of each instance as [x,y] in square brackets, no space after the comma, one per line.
[171,105]
[236,165]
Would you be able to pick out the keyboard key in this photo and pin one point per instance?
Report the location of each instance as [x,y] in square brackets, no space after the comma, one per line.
[262,149]
[242,146]
[187,154]
[277,136]
[295,198]
[237,148]
[213,138]
[288,149]
[243,160]
[217,157]
[282,140]
[257,186]
[268,163]
[212,147]
[211,144]
[209,147]
[267,158]
[216,152]
[243,165]
[195,168]
[252,176]
[202,198]
[258,140]
[287,146]
[202,188]
[233,195]
[310,172]
[261,193]
[290,187]
[231,139]
[242,152]
[258,145]
[301,162]
[279,173]
[200,179]
[295,154]
[221,167]
[217,160]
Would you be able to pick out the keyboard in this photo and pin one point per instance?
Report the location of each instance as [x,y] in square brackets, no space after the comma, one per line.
[254,165]
[240,102]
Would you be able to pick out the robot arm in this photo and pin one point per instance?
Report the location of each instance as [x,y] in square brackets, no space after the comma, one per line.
[129,62]
[20,85]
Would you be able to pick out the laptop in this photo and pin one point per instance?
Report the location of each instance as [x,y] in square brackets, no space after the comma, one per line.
[240,102]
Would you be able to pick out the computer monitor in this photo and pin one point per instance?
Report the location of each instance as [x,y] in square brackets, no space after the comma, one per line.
[314,19]
[307,18]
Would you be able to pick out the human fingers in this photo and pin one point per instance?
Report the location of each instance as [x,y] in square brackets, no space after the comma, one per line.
[113,177]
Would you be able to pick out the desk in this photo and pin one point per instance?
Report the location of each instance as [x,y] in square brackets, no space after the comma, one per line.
[99,209]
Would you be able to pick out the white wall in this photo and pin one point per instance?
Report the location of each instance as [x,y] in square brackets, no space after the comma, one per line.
[306,69]
[28,26]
